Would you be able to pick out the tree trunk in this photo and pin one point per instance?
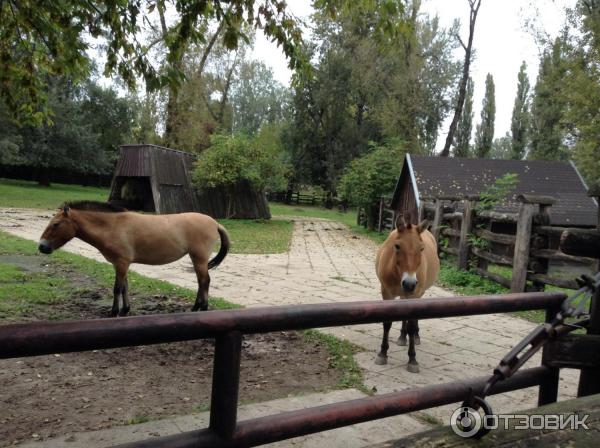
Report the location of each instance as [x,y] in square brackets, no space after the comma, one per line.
[462,89]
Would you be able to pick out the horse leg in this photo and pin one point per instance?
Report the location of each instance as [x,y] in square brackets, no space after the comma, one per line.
[125,294]
[382,356]
[413,365]
[402,338]
[120,285]
[417,337]
[201,268]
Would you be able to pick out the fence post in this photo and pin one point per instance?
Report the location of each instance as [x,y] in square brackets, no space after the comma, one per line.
[380,220]
[225,384]
[437,218]
[548,391]
[594,192]
[589,381]
[465,230]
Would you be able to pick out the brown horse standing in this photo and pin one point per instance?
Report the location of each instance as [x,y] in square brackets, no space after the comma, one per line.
[124,237]
[407,264]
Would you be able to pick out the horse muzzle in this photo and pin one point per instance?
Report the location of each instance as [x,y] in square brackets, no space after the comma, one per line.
[44,247]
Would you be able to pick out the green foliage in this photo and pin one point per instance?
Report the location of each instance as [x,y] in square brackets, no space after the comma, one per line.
[520,116]
[502,147]
[548,106]
[497,192]
[42,39]
[372,175]
[466,282]
[484,134]
[464,129]
[234,159]
[89,124]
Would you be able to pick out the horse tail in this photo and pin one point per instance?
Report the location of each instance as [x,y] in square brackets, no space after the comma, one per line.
[222,251]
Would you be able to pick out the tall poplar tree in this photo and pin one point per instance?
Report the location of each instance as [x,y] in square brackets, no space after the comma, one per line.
[520,117]
[462,138]
[484,135]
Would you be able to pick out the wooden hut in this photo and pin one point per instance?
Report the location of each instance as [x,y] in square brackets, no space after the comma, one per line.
[430,177]
[154,179]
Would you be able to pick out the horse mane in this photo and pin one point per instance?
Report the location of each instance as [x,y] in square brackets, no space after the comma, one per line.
[95,206]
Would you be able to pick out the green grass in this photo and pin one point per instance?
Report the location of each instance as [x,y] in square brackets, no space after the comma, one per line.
[341,358]
[348,218]
[258,236]
[103,273]
[26,194]
[21,291]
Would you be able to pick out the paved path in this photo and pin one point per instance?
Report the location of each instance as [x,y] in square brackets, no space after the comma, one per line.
[327,263]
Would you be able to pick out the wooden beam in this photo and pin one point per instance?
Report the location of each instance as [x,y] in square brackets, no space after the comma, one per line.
[494,277]
[492,258]
[450,232]
[437,218]
[500,217]
[449,250]
[551,254]
[581,242]
[451,216]
[573,351]
[521,254]
[536,199]
[501,238]
[465,230]
[549,280]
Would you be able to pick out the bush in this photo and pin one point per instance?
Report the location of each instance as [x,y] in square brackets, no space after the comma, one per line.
[371,176]
[231,160]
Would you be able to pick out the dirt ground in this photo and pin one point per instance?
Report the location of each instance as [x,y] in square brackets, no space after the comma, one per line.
[45,396]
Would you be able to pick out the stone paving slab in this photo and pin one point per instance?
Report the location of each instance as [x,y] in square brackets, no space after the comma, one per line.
[327,263]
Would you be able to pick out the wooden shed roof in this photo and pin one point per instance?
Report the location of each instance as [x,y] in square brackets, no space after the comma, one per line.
[450,176]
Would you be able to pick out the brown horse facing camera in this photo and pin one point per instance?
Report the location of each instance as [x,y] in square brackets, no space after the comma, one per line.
[407,264]
[125,237]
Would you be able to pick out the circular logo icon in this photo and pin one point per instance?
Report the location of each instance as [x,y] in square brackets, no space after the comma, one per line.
[465,422]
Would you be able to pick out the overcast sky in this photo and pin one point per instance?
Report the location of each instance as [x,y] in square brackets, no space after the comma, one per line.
[501,44]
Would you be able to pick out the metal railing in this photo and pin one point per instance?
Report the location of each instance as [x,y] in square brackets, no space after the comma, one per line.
[228,327]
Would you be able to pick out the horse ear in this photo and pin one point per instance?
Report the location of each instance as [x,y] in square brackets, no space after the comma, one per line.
[423,225]
[66,210]
[400,223]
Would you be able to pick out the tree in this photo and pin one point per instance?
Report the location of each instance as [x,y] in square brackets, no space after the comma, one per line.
[548,106]
[462,138]
[462,86]
[41,39]
[257,98]
[502,147]
[369,177]
[484,134]
[520,116]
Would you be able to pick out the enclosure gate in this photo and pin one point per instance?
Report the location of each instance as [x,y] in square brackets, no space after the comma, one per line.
[228,327]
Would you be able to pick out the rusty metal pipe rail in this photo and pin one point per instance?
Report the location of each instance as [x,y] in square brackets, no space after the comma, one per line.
[283,426]
[33,339]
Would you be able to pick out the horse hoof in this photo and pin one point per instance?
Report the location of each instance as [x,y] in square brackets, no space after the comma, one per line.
[124,312]
[195,308]
[417,340]
[413,368]
[381,360]
[114,312]
[401,341]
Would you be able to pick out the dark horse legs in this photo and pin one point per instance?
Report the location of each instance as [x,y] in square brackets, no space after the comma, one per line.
[412,328]
[382,356]
[201,269]
[402,338]
[121,288]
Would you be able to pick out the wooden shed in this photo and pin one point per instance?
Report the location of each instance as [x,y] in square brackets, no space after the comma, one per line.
[154,179]
[432,177]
